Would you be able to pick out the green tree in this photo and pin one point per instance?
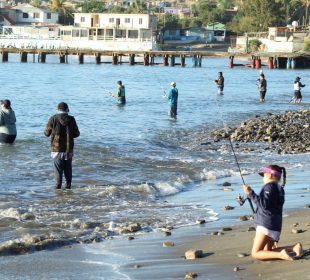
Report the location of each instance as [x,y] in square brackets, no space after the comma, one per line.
[256,15]
[92,6]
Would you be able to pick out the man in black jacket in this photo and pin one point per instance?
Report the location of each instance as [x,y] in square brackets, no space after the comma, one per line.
[62,128]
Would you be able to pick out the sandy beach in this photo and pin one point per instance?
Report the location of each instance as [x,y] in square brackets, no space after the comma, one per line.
[221,254]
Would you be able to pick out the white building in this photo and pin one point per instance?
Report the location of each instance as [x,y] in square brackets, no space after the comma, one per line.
[26,14]
[102,32]
[111,31]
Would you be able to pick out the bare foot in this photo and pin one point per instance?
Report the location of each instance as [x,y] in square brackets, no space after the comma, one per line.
[285,256]
[298,249]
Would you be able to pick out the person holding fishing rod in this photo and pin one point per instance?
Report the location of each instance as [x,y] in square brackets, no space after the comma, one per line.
[268,217]
[120,94]
[297,90]
[220,83]
[262,87]
[172,97]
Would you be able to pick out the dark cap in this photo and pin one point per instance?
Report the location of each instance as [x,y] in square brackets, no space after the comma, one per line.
[62,106]
[6,103]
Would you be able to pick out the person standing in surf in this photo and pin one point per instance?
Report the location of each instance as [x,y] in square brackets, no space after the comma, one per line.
[121,93]
[268,216]
[262,87]
[297,90]
[172,97]
[220,83]
[63,129]
[7,123]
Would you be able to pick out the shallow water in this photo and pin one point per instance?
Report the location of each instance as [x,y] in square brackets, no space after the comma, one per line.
[128,160]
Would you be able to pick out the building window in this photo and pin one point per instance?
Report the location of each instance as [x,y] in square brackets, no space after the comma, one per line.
[36,15]
[82,19]
[140,20]
[25,15]
[111,20]
[127,20]
[48,15]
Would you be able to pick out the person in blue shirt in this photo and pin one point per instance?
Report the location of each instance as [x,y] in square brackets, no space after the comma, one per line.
[268,217]
[173,100]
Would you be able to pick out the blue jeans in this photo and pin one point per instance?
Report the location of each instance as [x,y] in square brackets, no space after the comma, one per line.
[63,167]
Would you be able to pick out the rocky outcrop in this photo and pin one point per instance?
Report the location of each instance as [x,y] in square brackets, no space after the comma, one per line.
[290,131]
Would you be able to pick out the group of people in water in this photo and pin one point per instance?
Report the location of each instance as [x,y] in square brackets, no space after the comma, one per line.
[63,129]
[262,87]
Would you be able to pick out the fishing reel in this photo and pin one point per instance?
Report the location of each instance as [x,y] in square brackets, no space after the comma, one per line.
[241,200]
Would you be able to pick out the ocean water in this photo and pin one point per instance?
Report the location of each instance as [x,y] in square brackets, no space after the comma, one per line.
[131,163]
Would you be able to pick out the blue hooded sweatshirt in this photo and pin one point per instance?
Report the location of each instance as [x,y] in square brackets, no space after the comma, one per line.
[269,204]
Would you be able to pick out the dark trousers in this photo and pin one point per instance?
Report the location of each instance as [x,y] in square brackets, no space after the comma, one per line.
[173,111]
[63,167]
[262,95]
[6,138]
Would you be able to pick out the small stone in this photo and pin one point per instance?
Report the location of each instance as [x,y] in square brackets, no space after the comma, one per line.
[236,269]
[168,244]
[227,189]
[201,221]
[226,184]
[28,216]
[307,206]
[214,232]
[296,224]
[167,233]
[220,233]
[295,230]
[137,266]
[308,189]
[251,229]
[190,275]
[193,254]
[228,207]
[131,238]
[243,218]
[242,255]
[226,229]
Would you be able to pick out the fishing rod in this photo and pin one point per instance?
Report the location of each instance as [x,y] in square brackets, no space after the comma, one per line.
[241,200]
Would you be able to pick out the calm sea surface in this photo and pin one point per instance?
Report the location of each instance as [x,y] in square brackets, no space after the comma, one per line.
[132,163]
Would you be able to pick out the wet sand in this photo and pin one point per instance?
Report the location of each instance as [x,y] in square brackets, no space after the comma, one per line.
[221,254]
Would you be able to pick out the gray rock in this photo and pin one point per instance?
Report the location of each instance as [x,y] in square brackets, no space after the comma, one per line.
[242,255]
[226,184]
[130,237]
[228,207]
[193,254]
[251,229]
[295,230]
[167,233]
[201,221]
[226,229]
[28,216]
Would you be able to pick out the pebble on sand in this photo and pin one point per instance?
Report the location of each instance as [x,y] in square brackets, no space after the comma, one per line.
[190,275]
[228,207]
[251,229]
[242,255]
[201,221]
[226,229]
[167,233]
[168,244]
[193,254]
[131,238]
[236,269]
[295,230]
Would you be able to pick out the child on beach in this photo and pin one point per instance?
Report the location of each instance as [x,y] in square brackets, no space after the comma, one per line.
[268,216]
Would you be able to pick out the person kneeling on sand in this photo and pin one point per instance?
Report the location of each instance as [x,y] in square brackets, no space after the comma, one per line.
[268,217]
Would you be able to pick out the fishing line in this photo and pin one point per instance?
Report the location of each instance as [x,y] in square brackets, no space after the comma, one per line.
[240,199]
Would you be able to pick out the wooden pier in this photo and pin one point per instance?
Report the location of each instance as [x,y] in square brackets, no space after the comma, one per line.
[273,60]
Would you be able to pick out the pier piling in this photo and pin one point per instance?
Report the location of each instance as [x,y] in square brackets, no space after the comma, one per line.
[62,58]
[182,58]
[172,60]
[5,56]
[258,63]
[165,60]
[146,59]
[114,59]
[152,59]
[270,63]
[132,59]
[23,57]
[98,58]
[81,58]
[42,57]
[199,60]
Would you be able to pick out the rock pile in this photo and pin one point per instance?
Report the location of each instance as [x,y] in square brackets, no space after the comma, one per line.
[290,131]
